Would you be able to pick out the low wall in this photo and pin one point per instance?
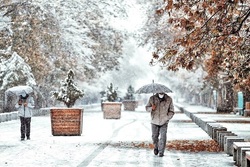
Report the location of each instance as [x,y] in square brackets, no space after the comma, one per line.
[36,112]
[14,115]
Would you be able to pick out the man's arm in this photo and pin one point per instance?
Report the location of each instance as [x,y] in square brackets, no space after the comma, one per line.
[150,106]
[171,110]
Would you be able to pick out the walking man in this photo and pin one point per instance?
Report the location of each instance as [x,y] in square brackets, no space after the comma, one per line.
[162,110]
[24,105]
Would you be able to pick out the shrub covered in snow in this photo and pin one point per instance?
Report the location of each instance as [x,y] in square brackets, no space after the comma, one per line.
[130,93]
[111,93]
[68,93]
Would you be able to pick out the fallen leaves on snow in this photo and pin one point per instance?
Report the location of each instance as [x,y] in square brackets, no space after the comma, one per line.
[194,145]
[179,145]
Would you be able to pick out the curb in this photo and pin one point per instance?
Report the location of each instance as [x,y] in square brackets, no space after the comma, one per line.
[225,139]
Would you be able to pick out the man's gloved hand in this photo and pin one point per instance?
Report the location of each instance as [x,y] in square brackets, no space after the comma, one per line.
[153,107]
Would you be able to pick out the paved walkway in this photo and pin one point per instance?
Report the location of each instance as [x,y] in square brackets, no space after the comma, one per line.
[107,143]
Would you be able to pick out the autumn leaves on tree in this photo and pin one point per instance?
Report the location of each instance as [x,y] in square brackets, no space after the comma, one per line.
[211,34]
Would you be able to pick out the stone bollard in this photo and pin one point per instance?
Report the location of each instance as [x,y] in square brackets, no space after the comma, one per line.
[228,143]
[218,134]
[215,130]
[243,161]
[222,134]
[205,122]
[237,146]
[247,160]
[211,126]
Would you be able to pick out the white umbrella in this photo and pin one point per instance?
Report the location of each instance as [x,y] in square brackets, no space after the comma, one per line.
[12,95]
[17,90]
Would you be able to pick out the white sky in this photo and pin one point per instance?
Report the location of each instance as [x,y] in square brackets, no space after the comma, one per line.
[142,56]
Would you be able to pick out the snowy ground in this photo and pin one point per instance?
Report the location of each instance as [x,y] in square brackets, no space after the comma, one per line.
[104,143]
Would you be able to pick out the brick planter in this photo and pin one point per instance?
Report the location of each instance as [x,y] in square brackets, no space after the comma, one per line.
[66,121]
[111,110]
[130,105]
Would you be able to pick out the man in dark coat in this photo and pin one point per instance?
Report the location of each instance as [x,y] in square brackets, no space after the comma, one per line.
[162,110]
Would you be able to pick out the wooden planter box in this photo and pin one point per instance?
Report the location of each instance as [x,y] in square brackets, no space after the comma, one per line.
[247,105]
[130,105]
[111,110]
[247,109]
[66,121]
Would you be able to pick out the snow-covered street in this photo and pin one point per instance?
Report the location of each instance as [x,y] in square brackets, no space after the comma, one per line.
[104,143]
[187,57]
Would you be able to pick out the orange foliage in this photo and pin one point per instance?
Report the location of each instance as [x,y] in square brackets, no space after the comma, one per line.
[213,30]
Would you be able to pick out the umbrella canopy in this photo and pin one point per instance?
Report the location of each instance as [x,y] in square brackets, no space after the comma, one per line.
[12,94]
[153,88]
[17,90]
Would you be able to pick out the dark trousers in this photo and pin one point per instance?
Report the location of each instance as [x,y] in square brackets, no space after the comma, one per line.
[159,131]
[25,127]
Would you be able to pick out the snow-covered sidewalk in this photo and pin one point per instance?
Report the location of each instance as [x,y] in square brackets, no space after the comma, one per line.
[105,143]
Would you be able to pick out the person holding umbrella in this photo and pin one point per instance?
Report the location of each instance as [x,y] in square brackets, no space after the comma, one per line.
[24,106]
[162,110]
